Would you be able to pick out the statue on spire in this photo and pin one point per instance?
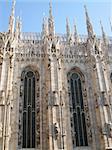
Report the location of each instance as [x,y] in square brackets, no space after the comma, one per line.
[76,37]
[89,25]
[51,21]
[44,27]
[12,18]
[50,9]
[103,34]
[18,27]
[111,26]
[67,29]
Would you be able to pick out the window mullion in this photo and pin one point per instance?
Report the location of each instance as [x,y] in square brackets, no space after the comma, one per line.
[76,102]
[27,112]
[78,114]
[78,132]
[79,96]
[74,111]
[76,121]
[31,110]
[33,113]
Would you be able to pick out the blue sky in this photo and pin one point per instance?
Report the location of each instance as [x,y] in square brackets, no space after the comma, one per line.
[32,12]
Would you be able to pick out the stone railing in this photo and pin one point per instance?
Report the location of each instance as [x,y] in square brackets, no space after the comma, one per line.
[30,36]
[37,36]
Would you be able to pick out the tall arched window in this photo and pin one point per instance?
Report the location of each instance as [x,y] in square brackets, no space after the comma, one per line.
[111,77]
[29,111]
[78,123]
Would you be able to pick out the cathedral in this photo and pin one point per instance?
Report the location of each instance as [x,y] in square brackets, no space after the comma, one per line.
[55,90]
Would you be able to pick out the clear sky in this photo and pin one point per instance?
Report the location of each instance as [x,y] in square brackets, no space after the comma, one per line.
[32,12]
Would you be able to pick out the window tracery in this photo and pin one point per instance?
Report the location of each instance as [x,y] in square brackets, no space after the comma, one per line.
[29,118]
[111,77]
[80,122]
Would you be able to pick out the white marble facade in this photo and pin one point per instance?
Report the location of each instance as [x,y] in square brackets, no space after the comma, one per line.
[53,59]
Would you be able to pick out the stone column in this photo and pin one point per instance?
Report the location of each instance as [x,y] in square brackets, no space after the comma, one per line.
[3,91]
[68,144]
[7,128]
[61,105]
[7,115]
[4,74]
[50,121]
[55,101]
[52,76]
[100,75]
[103,101]
[108,96]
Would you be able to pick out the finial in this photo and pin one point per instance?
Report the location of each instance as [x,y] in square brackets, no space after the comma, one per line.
[50,9]
[44,27]
[103,34]
[67,29]
[13,6]
[51,21]
[86,11]
[88,23]
[110,25]
[12,18]
[18,27]
[76,37]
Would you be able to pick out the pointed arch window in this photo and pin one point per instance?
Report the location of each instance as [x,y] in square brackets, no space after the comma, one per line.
[78,123]
[28,140]
[29,110]
[111,77]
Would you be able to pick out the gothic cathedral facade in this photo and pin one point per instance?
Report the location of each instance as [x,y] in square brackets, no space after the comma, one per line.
[55,90]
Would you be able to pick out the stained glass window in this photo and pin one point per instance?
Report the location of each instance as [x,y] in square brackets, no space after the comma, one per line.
[28,140]
[111,77]
[78,122]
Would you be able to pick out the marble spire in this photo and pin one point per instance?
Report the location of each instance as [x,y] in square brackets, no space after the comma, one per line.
[18,27]
[103,34]
[51,21]
[111,26]
[12,18]
[76,37]
[44,27]
[89,25]
[67,29]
